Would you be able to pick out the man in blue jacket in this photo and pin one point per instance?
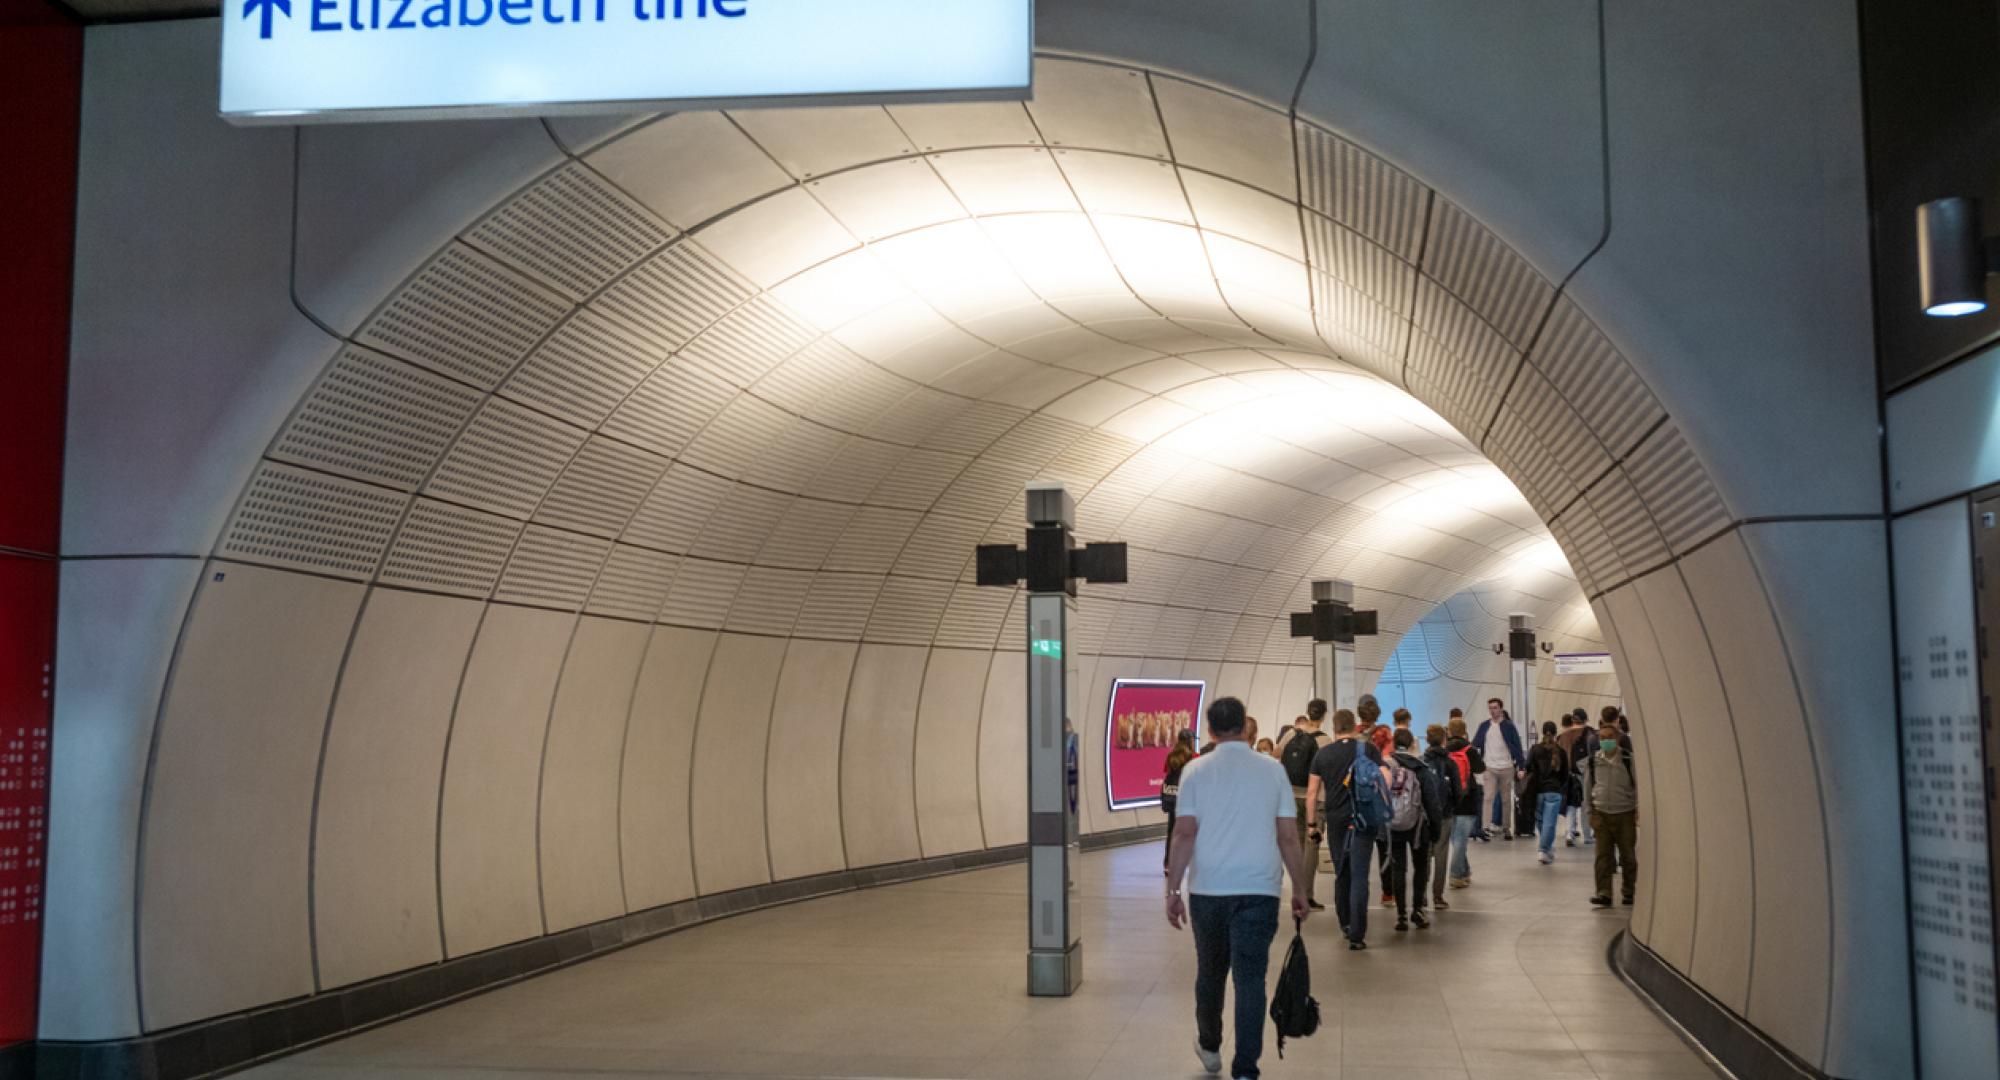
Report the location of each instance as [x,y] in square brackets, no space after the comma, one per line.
[1499,739]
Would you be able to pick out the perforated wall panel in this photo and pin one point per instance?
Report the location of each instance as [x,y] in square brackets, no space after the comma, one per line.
[1597,382]
[837,607]
[670,408]
[633,583]
[769,601]
[466,316]
[673,515]
[908,611]
[702,593]
[310,521]
[506,460]
[1362,192]
[675,295]
[585,369]
[376,418]
[749,342]
[572,230]
[602,488]
[1676,489]
[552,568]
[450,549]
[1466,258]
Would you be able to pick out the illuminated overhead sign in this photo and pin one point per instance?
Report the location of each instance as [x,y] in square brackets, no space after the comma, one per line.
[288,61]
[1589,663]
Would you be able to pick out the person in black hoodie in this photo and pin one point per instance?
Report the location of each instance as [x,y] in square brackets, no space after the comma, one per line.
[1548,775]
[1452,789]
[1471,763]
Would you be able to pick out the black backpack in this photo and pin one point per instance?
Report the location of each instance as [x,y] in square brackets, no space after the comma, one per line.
[1293,1011]
[1298,756]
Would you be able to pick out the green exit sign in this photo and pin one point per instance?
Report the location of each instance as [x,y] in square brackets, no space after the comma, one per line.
[1047,647]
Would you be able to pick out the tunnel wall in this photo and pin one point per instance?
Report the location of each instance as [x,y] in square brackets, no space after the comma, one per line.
[1727,650]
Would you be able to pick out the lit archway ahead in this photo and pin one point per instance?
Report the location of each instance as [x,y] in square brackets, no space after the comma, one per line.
[623,554]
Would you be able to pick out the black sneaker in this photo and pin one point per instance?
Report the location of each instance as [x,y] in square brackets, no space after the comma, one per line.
[1356,946]
[1315,905]
[1600,901]
[1628,901]
[1507,836]
[1402,925]
[1421,923]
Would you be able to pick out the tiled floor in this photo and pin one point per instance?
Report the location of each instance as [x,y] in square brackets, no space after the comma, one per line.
[926,980]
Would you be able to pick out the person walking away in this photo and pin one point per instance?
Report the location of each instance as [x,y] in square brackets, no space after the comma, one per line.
[1296,749]
[1379,734]
[1614,813]
[1341,769]
[1170,786]
[1472,765]
[1499,740]
[1576,732]
[1235,833]
[1547,776]
[1451,788]
[1267,748]
[1414,804]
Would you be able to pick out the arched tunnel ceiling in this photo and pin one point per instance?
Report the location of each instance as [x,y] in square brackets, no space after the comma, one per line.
[779,371]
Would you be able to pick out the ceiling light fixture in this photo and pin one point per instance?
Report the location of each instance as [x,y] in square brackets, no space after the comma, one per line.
[1954,256]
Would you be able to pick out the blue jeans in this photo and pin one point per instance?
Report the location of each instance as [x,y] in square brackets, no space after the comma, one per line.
[1232,937]
[1353,854]
[1548,811]
[1461,838]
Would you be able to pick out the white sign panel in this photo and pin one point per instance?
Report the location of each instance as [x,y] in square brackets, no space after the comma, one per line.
[1588,663]
[284,61]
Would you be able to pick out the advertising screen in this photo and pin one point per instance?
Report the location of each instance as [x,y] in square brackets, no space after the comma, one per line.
[1145,715]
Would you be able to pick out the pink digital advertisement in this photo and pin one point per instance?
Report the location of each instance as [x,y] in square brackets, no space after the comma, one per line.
[1145,716]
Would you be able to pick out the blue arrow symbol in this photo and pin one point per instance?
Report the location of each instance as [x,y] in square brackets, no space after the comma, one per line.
[251,6]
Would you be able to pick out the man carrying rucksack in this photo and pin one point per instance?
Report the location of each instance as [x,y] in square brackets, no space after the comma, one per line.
[1414,803]
[1349,800]
[1614,812]
[1296,749]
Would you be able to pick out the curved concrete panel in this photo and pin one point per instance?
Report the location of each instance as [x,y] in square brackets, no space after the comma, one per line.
[947,756]
[877,750]
[488,878]
[1725,904]
[802,777]
[1003,751]
[222,854]
[1657,735]
[729,764]
[115,637]
[374,876]
[1791,966]
[659,752]
[577,840]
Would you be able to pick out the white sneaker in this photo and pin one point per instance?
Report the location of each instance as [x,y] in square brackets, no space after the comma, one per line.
[1548,857]
[1211,1060]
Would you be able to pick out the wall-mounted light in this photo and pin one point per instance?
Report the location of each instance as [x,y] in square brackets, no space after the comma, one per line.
[1954,255]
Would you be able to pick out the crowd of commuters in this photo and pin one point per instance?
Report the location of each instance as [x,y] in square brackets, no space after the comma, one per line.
[1243,813]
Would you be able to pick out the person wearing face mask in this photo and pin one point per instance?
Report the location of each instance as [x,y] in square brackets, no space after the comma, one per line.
[1614,813]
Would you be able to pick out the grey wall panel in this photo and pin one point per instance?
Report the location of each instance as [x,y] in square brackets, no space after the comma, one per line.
[729,764]
[376,199]
[1258,45]
[1791,974]
[1842,664]
[1656,734]
[1725,899]
[489,890]
[1003,751]
[577,838]
[1267,700]
[1795,291]
[213,196]
[1090,698]
[659,750]
[947,762]
[115,637]
[878,743]
[1504,119]
[374,872]
[222,852]
[802,764]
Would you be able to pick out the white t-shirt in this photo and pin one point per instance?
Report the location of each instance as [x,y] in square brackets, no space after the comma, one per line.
[1497,755]
[1238,795]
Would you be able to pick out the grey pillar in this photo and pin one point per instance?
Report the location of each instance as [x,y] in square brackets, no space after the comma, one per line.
[1055,945]
[1333,661]
[1521,674]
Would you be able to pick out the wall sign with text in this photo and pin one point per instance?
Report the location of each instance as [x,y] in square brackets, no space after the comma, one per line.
[1146,714]
[289,61]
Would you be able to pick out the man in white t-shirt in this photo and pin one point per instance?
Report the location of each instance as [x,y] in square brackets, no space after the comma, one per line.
[1234,825]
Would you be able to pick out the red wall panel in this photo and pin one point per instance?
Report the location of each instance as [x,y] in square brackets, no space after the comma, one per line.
[41,72]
